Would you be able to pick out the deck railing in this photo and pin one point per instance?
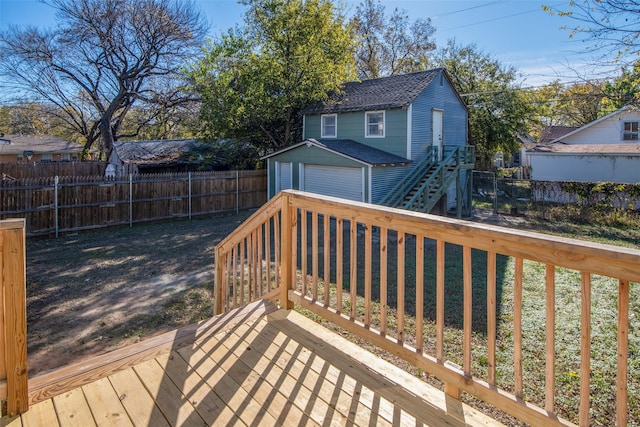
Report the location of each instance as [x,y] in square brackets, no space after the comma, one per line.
[386,275]
[13,321]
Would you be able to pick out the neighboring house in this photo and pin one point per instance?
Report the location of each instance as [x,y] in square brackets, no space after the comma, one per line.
[37,148]
[154,157]
[369,138]
[605,150]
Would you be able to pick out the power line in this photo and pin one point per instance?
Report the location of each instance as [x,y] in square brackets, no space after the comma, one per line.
[469,8]
[493,19]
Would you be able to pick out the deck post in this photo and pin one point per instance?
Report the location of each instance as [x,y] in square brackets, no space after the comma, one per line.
[286,276]
[452,390]
[218,284]
[15,314]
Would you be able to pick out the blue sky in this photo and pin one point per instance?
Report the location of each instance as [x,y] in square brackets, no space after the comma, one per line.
[516,32]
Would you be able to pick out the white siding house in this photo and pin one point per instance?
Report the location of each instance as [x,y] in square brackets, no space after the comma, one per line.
[605,150]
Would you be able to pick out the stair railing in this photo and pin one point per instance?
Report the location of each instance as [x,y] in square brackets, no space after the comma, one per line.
[396,195]
[435,186]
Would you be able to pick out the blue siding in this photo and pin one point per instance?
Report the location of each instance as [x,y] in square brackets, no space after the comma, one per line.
[454,126]
[383,179]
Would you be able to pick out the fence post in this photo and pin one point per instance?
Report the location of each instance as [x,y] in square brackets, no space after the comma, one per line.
[189,195]
[237,191]
[55,204]
[130,201]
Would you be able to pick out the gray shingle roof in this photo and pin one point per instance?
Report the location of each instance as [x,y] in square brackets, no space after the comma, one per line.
[16,144]
[352,149]
[377,94]
[358,151]
[551,133]
[154,151]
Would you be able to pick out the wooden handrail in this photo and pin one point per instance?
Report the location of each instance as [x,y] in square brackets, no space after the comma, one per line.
[247,262]
[323,260]
[13,322]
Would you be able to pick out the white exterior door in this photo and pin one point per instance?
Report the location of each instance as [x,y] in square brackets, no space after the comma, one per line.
[437,140]
[347,183]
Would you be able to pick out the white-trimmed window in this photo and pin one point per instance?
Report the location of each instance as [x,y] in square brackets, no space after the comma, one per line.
[329,126]
[630,132]
[374,124]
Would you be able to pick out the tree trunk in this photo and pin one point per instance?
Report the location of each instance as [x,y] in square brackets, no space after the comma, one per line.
[106,134]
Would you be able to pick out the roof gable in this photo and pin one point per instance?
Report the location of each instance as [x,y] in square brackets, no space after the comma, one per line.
[351,149]
[588,126]
[397,91]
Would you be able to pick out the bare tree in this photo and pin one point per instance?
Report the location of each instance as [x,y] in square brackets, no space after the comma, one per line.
[101,59]
[612,25]
[386,46]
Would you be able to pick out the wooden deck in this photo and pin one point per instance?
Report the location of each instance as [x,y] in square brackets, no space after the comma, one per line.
[252,366]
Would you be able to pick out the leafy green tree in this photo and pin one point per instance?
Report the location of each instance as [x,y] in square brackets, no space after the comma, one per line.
[386,46]
[33,119]
[255,80]
[101,59]
[498,110]
[623,90]
[228,155]
[581,103]
[544,101]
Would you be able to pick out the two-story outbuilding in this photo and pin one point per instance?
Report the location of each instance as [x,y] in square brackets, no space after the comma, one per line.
[370,136]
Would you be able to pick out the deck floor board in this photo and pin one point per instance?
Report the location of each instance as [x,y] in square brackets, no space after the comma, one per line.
[105,404]
[256,367]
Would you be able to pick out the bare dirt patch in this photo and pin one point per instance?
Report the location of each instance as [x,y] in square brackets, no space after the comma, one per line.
[90,293]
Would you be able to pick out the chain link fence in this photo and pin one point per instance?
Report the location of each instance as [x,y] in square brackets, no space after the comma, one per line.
[585,202]
[501,195]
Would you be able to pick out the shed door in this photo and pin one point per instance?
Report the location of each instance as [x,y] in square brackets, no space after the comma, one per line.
[284,176]
[334,181]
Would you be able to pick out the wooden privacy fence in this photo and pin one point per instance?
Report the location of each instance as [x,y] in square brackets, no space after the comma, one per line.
[23,170]
[13,319]
[69,204]
[384,275]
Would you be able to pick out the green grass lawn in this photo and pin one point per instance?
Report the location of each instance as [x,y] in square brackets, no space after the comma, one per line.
[604,318]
